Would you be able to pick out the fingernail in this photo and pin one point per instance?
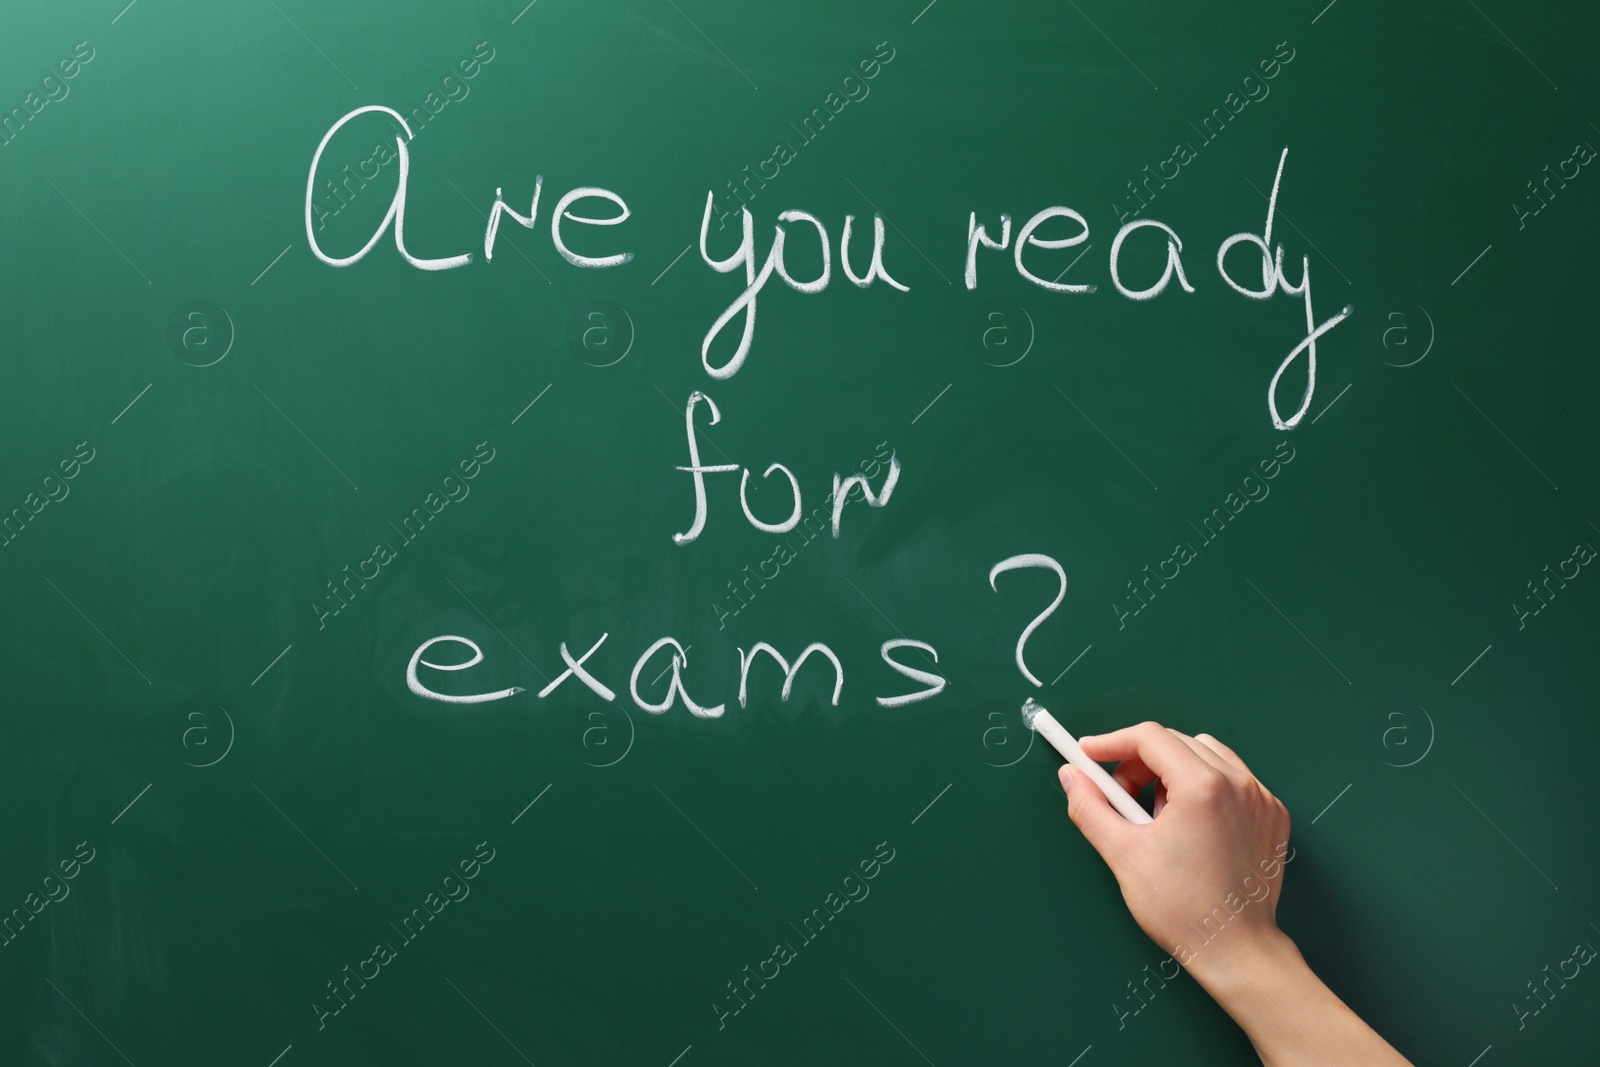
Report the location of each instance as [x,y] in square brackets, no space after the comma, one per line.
[1067,774]
[1085,737]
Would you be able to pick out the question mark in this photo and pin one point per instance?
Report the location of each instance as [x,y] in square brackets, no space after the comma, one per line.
[1031,559]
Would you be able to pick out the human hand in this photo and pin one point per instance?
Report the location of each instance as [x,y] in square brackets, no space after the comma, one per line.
[1203,879]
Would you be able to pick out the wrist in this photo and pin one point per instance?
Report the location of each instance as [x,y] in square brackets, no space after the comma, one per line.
[1271,992]
[1232,973]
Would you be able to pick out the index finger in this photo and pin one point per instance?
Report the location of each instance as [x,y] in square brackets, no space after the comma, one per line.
[1149,742]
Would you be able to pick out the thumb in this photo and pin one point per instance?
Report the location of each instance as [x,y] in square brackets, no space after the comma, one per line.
[1094,816]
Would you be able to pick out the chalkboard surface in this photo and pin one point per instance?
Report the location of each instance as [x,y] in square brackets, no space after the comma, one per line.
[257,505]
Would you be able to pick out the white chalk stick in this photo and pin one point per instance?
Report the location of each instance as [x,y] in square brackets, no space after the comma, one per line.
[1045,723]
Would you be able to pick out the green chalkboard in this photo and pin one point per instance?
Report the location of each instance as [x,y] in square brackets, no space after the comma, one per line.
[256,506]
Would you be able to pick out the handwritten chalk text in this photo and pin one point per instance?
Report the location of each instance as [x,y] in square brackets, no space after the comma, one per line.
[575,208]
[840,496]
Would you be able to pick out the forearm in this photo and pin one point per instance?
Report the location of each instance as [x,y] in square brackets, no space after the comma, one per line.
[1290,1016]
